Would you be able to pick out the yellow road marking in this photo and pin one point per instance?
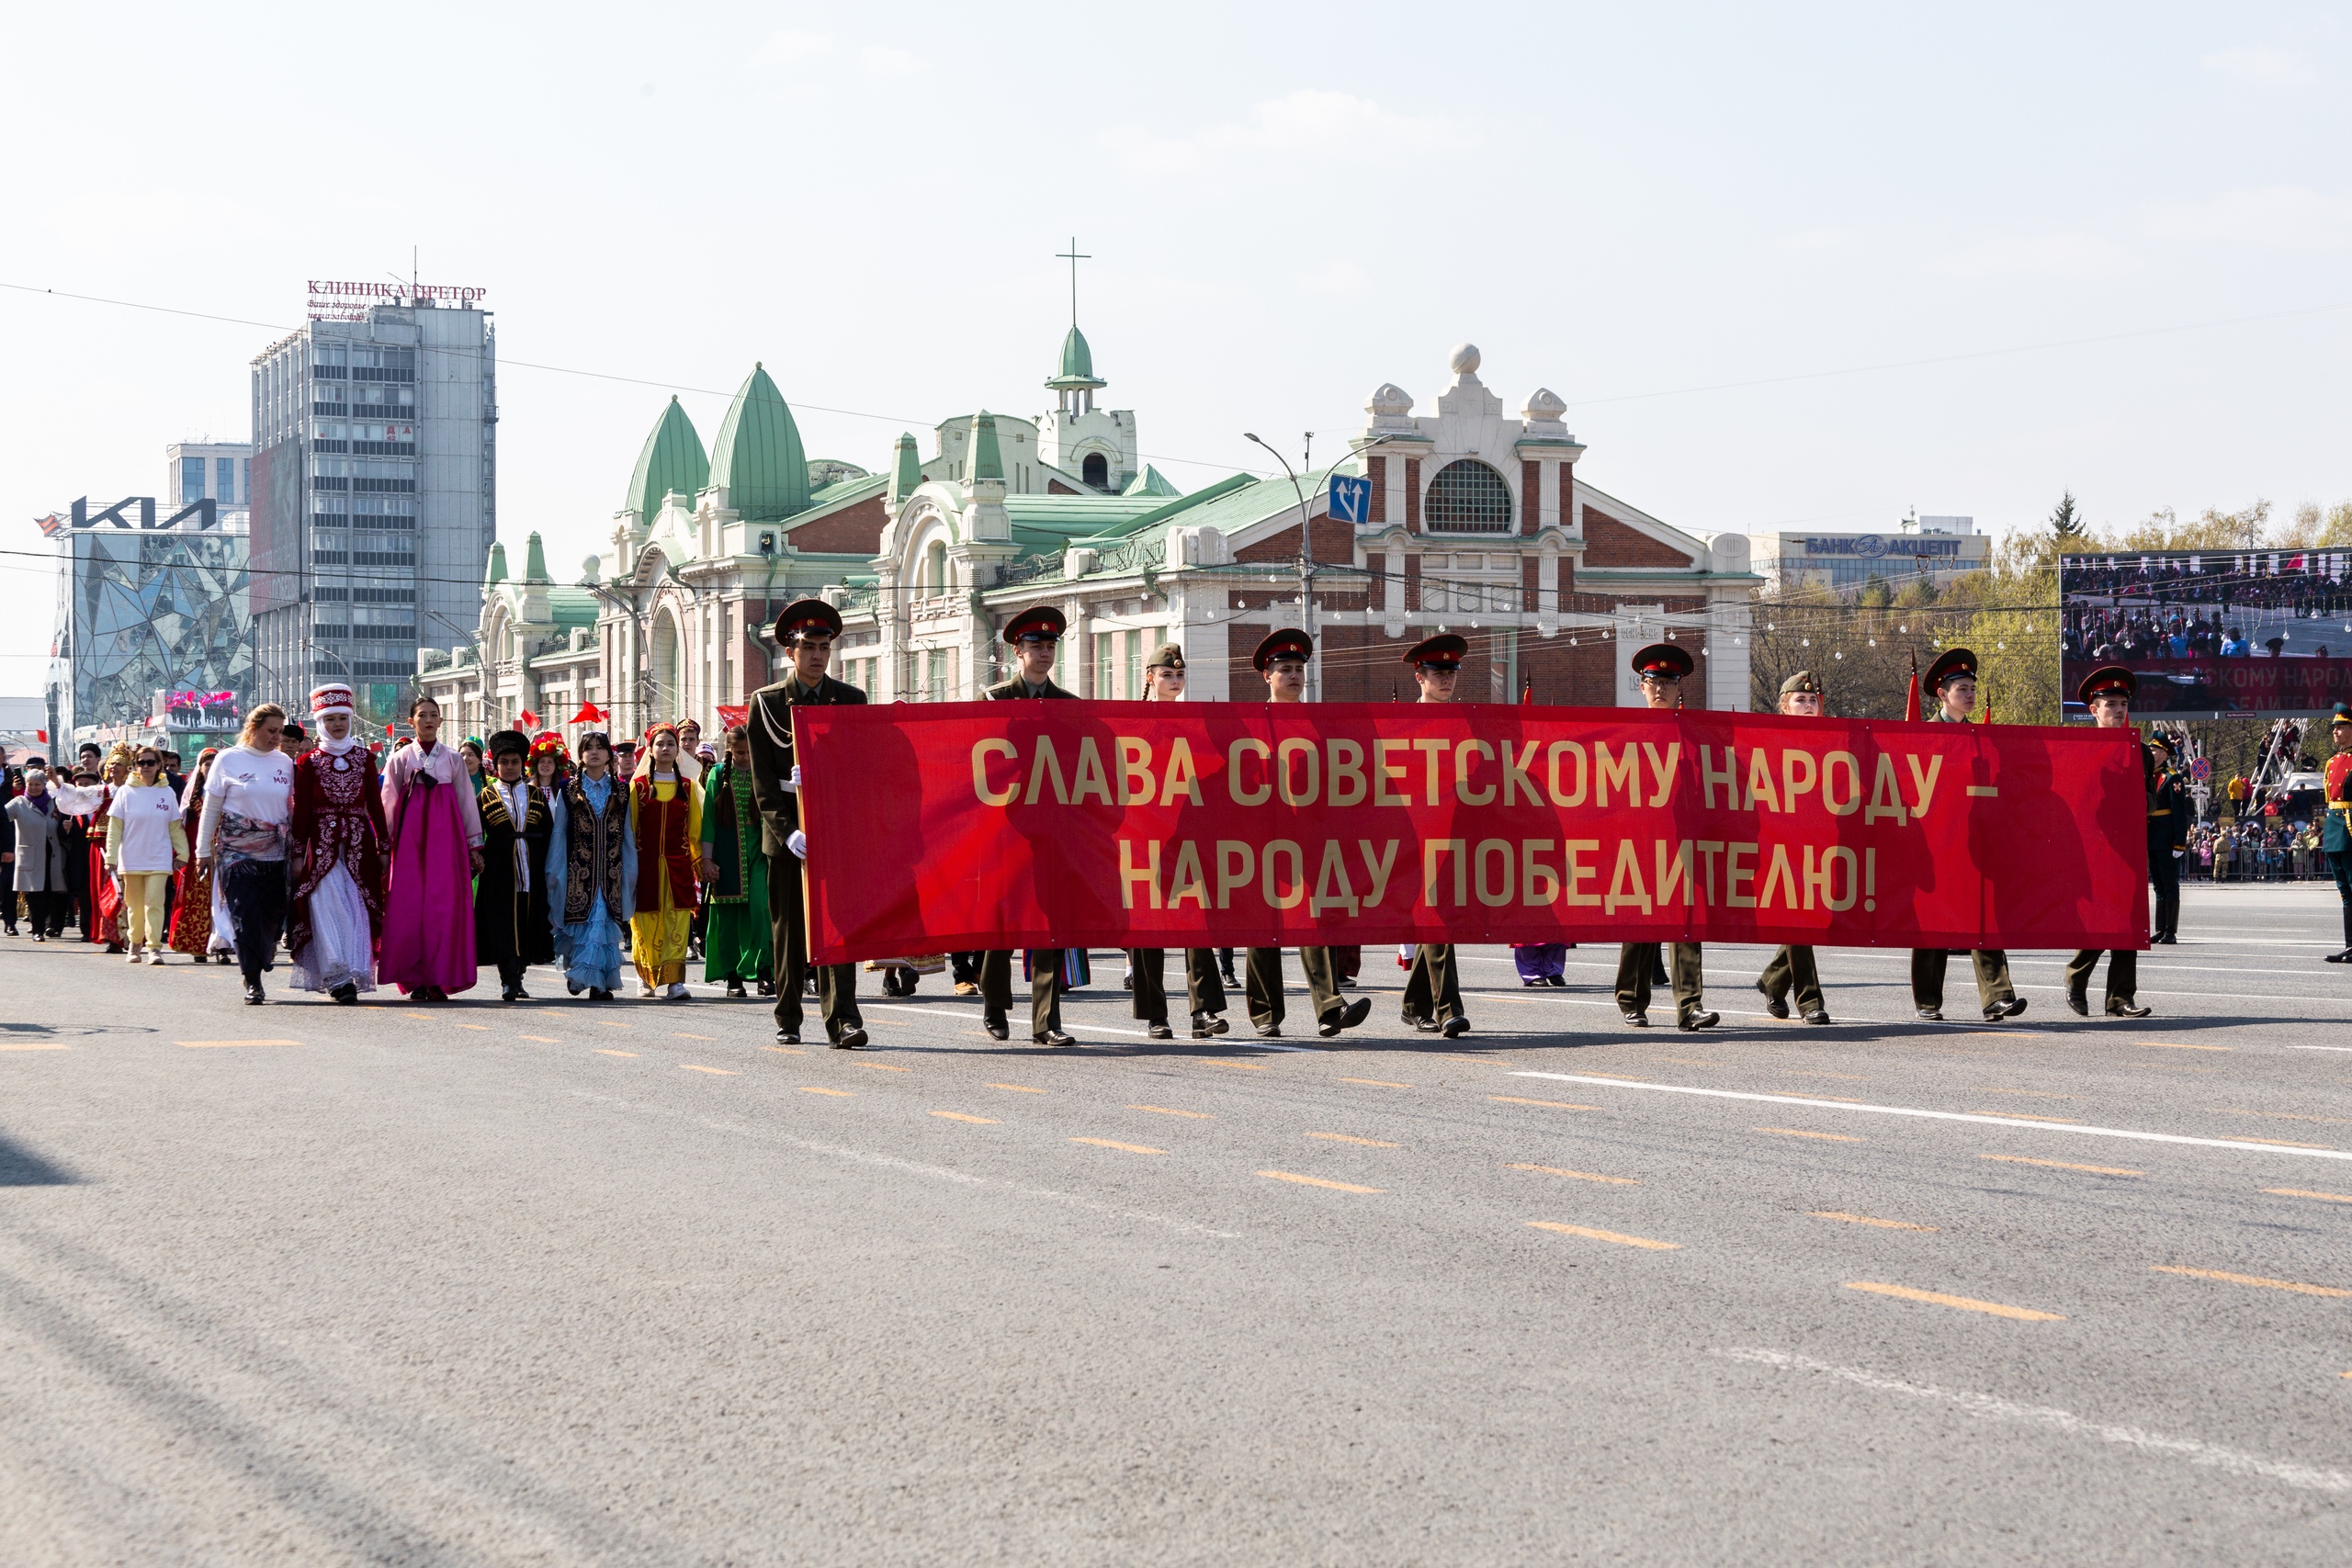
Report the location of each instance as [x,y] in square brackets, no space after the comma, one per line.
[1115,1144]
[2059,1120]
[960,1116]
[551,1013]
[2282,1143]
[721,1072]
[2299,1192]
[192,1044]
[1548,1104]
[40,1048]
[682,1034]
[784,1050]
[602,1052]
[481,1026]
[1317,1181]
[1579,1175]
[1017,1087]
[1169,1111]
[2300,1290]
[542,1039]
[2063,1164]
[1588,1232]
[1377,1083]
[2175,1045]
[1866,1220]
[615,1023]
[426,1016]
[1345,1138]
[1243,1067]
[1966,1303]
[883,1067]
[2279,1115]
[1826,1137]
[836,1093]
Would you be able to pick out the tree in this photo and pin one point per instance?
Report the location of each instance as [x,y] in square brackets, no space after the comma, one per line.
[2068,529]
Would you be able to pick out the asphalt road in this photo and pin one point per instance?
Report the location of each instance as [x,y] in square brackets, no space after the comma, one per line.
[556,1283]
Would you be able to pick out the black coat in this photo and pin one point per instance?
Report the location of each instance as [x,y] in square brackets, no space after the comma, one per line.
[769,725]
[511,924]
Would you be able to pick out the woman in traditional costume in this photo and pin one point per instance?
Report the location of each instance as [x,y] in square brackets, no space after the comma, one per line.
[591,872]
[248,802]
[738,937]
[428,948]
[339,838]
[665,819]
[511,895]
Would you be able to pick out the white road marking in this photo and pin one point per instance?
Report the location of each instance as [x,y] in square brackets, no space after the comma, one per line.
[2309,1478]
[2319,1048]
[1982,1120]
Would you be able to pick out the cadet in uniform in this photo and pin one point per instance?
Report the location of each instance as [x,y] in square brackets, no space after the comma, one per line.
[1434,989]
[1792,968]
[1282,659]
[2335,834]
[2170,807]
[1954,679]
[2106,691]
[1164,682]
[1662,667]
[805,630]
[1035,636]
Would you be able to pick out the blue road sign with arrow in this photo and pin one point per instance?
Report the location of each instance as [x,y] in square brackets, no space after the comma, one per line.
[1351,500]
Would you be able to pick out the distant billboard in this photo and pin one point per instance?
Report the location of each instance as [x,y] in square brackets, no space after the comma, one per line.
[2265,633]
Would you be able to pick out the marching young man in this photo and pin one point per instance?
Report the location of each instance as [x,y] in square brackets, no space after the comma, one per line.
[1282,659]
[1164,682]
[1953,678]
[1433,988]
[1662,667]
[805,630]
[1035,636]
[1792,968]
[2108,692]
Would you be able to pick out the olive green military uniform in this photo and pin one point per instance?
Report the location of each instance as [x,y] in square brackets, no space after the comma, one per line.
[996,967]
[1993,992]
[1792,972]
[1634,962]
[769,725]
[1204,992]
[2123,964]
[1434,986]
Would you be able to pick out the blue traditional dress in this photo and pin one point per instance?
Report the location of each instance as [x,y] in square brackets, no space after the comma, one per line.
[591,880]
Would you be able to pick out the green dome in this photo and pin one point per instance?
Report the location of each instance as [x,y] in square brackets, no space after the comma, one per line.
[757,454]
[672,459]
[1078,364]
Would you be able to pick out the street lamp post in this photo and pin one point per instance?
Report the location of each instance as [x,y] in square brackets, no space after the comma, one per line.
[1306,541]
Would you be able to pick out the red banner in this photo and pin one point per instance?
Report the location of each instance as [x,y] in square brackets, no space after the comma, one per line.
[943,827]
[2270,687]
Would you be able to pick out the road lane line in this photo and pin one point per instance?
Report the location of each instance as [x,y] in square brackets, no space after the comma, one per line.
[1113,1144]
[1980,1118]
[1548,1104]
[602,1052]
[45,1045]
[2321,1048]
[2052,1120]
[1989,1407]
[614,1023]
[1579,1175]
[1347,1138]
[2283,1144]
[195,1044]
[720,1072]
[960,1116]
[682,1034]
[1170,1111]
[541,1039]
[1825,1137]
[883,1067]
[1317,1181]
[836,1093]
[2299,1192]
[2063,1164]
[1240,1067]
[1017,1087]
[784,1050]
[1965,1303]
[2279,1115]
[1377,1083]
[2300,1288]
[1591,1235]
[1867,1220]
[420,1016]
[2175,1045]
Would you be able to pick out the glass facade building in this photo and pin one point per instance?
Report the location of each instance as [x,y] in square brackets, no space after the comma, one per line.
[143,611]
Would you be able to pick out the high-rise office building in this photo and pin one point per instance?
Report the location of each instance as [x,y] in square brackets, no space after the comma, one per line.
[217,471]
[374,496]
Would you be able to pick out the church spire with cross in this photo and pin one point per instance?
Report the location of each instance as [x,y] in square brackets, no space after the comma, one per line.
[1075,381]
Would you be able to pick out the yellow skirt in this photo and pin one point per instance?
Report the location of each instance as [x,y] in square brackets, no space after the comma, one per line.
[657,944]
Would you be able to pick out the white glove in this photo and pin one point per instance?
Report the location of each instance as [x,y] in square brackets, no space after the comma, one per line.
[792,784]
[797,843]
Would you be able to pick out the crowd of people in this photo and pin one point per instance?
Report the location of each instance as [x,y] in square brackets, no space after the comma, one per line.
[2130,609]
[421,869]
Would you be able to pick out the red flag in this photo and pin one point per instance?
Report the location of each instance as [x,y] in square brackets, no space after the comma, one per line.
[41,736]
[1527,689]
[1911,702]
[527,719]
[731,716]
[589,714]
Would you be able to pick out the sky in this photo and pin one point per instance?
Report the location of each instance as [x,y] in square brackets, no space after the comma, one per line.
[1790,266]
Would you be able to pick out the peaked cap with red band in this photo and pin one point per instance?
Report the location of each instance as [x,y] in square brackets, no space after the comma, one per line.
[1663,660]
[1955,663]
[1443,651]
[1039,623]
[1288,643]
[803,614]
[2107,680]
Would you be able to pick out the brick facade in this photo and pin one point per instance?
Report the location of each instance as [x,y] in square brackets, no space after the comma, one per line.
[853,531]
[1610,543]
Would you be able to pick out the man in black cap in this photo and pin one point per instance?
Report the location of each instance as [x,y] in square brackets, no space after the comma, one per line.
[2336,833]
[2171,809]
[1282,659]
[805,630]
[511,926]
[1433,988]
[1953,679]
[1164,678]
[1035,636]
[1662,667]
[1791,968]
[2106,691]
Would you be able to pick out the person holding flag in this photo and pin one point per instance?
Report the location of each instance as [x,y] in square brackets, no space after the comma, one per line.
[2108,692]
[1953,679]
[1432,1002]
[1662,668]
[1791,968]
[1164,678]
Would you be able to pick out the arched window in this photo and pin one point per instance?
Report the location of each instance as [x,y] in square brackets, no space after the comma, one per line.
[1097,471]
[935,568]
[1468,497]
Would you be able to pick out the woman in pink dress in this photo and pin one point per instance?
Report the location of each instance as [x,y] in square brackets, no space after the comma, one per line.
[428,949]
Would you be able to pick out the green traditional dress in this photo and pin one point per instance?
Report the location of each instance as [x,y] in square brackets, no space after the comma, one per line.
[740,942]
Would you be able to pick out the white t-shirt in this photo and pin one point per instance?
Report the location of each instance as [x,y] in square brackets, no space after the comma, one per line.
[146,813]
[252,789]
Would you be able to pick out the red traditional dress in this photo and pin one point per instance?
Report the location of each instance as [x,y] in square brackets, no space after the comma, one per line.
[338,829]
[665,822]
